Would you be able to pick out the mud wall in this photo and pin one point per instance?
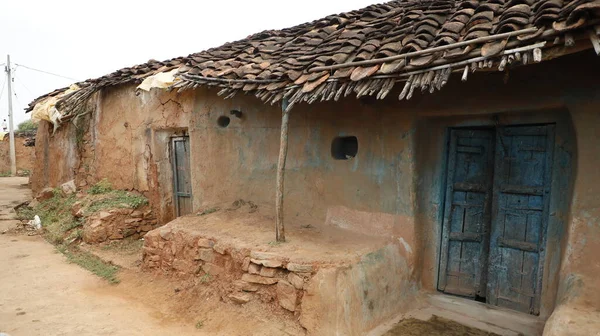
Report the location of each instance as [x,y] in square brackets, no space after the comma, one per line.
[578,298]
[25,155]
[132,133]
[581,267]
[373,189]
[354,300]
[124,139]
[56,156]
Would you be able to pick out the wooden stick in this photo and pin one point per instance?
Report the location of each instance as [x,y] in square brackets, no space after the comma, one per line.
[595,41]
[228,80]
[283,146]
[537,55]
[465,62]
[425,51]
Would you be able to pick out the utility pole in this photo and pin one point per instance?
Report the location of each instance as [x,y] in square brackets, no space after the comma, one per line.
[11,134]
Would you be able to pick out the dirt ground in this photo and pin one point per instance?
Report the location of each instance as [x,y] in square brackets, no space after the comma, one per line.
[42,294]
[13,191]
[436,326]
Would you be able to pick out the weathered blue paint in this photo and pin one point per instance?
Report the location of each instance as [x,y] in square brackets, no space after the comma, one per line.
[522,187]
[467,212]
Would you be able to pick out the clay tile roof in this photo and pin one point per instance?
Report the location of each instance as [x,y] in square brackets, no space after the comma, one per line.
[367,51]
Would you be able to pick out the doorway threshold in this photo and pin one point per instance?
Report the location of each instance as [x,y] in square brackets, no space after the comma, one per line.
[472,314]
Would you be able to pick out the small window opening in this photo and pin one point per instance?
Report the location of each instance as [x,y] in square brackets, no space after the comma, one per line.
[223,121]
[344,148]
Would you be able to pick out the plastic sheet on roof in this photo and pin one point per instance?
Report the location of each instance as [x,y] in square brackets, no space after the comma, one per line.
[161,80]
[46,109]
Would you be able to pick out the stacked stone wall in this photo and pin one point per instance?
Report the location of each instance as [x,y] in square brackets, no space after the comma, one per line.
[244,275]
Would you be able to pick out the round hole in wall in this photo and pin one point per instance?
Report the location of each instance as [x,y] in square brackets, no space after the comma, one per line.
[223,121]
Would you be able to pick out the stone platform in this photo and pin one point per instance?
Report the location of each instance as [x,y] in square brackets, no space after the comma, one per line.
[332,280]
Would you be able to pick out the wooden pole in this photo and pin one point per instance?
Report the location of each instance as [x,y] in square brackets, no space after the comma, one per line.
[283,146]
[11,130]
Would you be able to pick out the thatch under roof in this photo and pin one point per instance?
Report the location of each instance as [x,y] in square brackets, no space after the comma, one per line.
[367,52]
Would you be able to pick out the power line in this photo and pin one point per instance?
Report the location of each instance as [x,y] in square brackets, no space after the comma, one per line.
[23,85]
[16,97]
[47,72]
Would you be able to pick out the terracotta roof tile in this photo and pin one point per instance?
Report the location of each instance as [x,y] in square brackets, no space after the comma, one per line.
[284,58]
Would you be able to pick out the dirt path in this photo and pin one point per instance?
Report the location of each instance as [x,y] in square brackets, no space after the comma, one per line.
[13,191]
[41,294]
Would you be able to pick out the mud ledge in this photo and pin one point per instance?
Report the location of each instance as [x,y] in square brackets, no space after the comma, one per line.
[330,280]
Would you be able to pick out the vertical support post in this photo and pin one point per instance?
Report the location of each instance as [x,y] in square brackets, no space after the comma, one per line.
[11,134]
[283,146]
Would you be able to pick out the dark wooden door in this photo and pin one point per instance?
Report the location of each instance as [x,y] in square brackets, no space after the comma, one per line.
[467,213]
[180,150]
[520,213]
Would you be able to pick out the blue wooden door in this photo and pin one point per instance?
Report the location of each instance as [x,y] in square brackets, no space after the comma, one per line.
[465,231]
[522,182]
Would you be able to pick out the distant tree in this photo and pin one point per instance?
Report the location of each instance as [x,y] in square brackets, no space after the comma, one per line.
[27,126]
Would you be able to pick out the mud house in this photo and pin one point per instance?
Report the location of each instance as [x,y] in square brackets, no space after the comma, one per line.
[24,151]
[432,147]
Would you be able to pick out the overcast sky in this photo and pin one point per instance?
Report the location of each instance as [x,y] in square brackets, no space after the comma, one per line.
[81,39]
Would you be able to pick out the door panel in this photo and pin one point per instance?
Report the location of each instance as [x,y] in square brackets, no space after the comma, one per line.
[520,211]
[181,176]
[467,213]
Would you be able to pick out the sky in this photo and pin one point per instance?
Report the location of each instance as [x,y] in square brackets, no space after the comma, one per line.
[81,39]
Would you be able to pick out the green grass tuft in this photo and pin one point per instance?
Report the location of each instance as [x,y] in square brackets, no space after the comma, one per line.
[55,214]
[205,278]
[25,213]
[91,263]
[209,211]
[102,187]
[117,199]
